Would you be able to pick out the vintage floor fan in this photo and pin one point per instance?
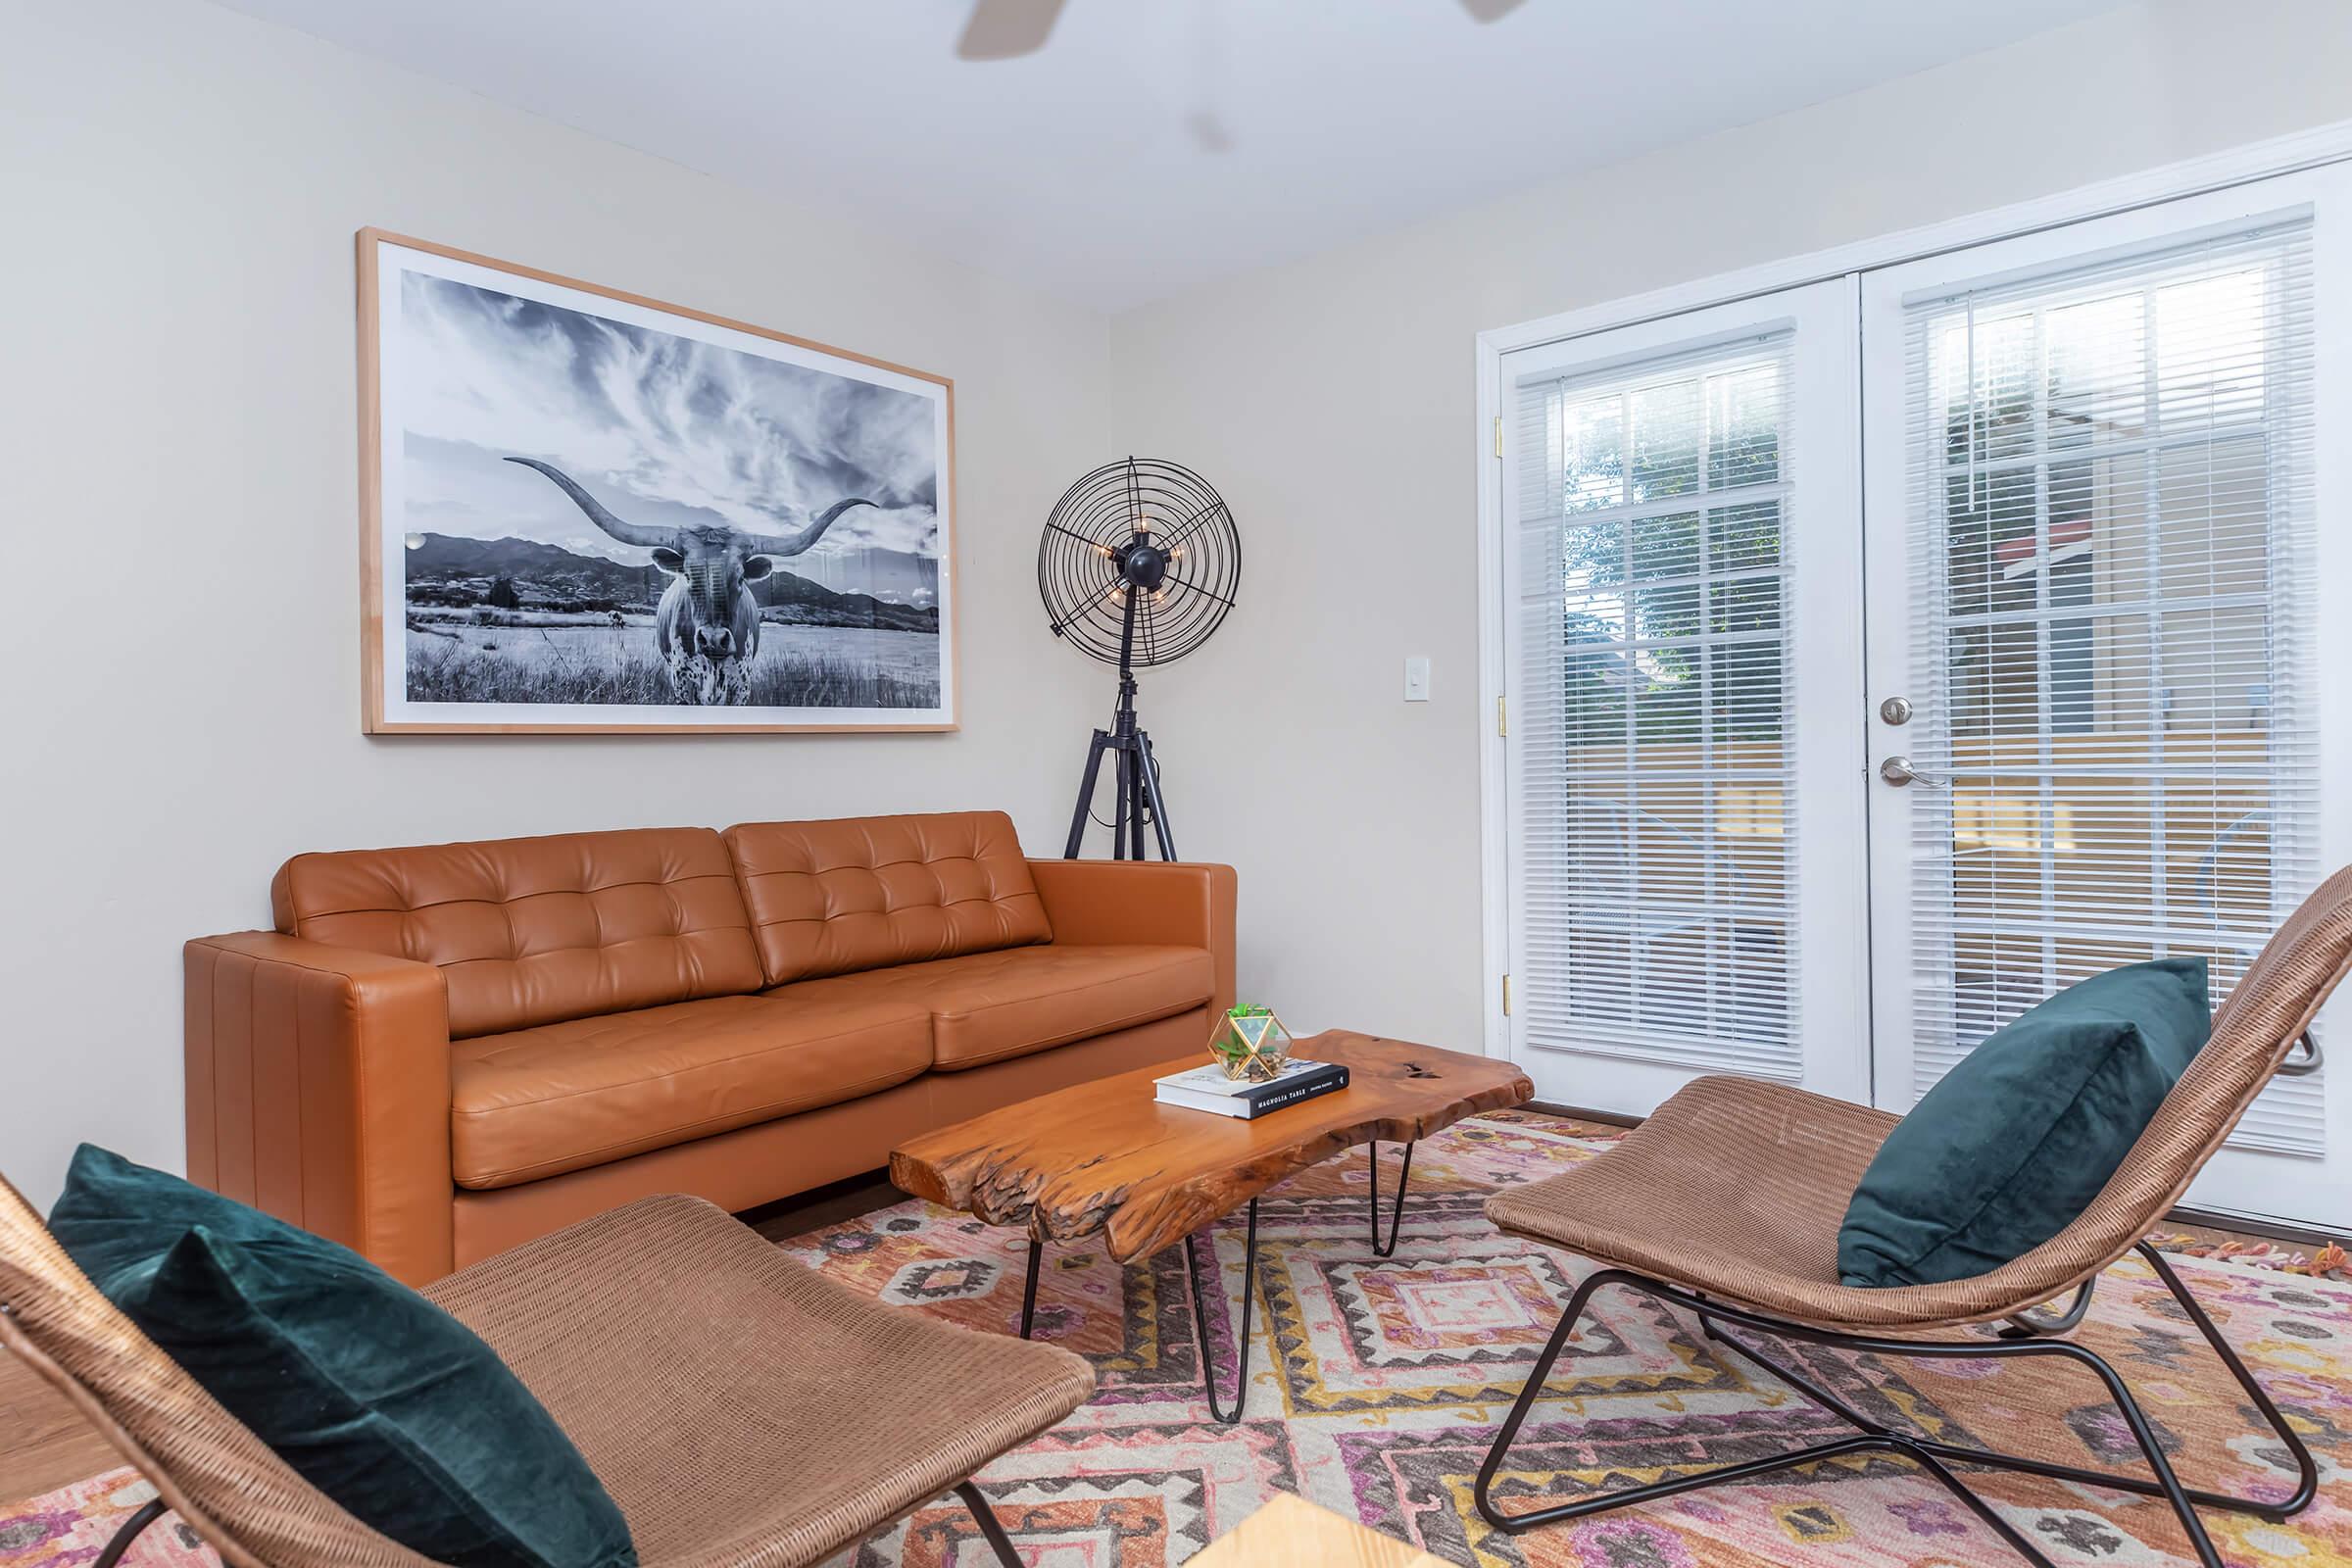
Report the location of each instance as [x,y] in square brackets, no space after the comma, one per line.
[1138,564]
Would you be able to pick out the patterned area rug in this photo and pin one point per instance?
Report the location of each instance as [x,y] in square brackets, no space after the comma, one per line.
[1376,1387]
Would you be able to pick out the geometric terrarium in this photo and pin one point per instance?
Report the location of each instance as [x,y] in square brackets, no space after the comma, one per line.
[1249,1043]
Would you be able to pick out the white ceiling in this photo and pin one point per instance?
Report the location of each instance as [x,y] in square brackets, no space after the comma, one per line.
[1157,144]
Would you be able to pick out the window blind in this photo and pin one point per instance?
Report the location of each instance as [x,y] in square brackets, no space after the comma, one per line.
[1655,774]
[2110,536]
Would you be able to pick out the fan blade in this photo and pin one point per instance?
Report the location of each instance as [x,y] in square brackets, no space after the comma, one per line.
[1005,30]
[1489,10]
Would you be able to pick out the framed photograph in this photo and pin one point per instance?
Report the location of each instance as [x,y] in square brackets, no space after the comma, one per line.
[585,511]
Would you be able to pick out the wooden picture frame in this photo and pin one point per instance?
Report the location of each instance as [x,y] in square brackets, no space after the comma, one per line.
[625,404]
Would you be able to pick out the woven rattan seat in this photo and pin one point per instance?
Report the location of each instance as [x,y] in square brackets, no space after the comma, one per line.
[741,1409]
[1727,1202]
[1732,1187]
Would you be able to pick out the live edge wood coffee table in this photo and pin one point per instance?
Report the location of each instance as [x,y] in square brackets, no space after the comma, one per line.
[1107,1160]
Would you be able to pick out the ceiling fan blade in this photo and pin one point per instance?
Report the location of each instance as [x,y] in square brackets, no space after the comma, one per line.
[1489,10]
[1004,30]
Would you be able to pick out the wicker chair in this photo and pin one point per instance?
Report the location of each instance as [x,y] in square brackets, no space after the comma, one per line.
[1727,1203]
[741,1410]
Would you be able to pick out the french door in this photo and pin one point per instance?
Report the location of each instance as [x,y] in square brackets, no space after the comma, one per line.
[2096,569]
[1680,565]
[2010,672]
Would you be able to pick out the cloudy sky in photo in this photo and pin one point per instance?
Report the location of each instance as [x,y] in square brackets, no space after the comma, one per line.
[661,429]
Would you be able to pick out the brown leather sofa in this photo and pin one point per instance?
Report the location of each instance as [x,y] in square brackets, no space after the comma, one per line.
[444,1051]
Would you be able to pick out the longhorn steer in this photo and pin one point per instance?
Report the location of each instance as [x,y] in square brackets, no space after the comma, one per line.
[707,623]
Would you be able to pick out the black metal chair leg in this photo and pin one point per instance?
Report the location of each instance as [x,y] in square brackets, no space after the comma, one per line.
[989,1527]
[2307,1468]
[1931,1455]
[1208,1374]
[2166,1484]
[1482,1493]
[2276,1512]
[1404,1176]
[1976,1505]
[1036,1254]
[130,1531]
[1536,1378]
[1482,1489]
[1795,1379]
[2033,1325]
[2145,1435]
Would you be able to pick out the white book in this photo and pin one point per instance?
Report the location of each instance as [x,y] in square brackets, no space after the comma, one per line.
[1210,1089]
[1214,1104]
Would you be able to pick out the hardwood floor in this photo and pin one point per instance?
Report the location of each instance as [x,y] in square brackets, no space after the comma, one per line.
[44,1443]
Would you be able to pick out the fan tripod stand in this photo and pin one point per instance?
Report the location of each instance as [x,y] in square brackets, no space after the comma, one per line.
[1138,786]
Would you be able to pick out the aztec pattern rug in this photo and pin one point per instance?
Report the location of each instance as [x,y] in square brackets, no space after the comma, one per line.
[1377,1385]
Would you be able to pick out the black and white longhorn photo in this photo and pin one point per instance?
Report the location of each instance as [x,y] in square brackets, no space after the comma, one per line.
[593,513]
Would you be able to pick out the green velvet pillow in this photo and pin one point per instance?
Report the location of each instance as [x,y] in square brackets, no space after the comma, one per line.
[371,1393]
[2020,1137]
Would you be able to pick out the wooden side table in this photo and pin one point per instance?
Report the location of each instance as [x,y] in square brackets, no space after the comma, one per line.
[1290,1532]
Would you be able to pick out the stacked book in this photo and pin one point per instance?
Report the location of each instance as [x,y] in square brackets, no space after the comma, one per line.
[1208,1089]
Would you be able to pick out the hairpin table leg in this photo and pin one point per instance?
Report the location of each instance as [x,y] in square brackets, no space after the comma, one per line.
[1208,1374]
[1037,1254]
[1404,1176]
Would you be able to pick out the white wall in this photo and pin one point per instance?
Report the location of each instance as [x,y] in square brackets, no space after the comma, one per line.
[1331,401]
[178,187]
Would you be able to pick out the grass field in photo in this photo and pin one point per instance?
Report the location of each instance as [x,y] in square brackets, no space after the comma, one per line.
[587,660]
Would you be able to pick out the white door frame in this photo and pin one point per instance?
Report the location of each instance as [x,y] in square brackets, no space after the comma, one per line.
[2316,148]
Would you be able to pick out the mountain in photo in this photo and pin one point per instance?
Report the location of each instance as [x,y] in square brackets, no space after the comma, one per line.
[450,569]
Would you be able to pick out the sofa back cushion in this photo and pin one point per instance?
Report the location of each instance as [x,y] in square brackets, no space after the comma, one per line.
[870,891]
[535,931]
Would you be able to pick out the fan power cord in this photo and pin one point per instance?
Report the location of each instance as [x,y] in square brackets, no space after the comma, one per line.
[1149,816]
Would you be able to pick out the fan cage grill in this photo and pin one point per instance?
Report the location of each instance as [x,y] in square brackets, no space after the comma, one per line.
[1078,573]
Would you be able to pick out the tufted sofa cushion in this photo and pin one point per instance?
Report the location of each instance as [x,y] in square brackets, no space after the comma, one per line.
[535,931]
[870,891]
[566,1096]
[1016,1001]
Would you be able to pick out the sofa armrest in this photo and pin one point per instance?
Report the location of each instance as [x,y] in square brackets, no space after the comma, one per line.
[1180,903]
[317,1089]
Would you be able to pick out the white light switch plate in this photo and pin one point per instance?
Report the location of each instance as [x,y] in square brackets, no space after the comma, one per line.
[1416,680]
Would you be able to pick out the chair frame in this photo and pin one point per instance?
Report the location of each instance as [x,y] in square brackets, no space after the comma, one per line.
[991,1529]
[2024,1334]
[1933,1456]
[129,1531]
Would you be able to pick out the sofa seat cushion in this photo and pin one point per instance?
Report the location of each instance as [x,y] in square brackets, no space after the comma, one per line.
[990,1007]
[535,1102]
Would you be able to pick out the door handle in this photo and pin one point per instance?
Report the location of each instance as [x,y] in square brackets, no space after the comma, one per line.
[1899,772]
